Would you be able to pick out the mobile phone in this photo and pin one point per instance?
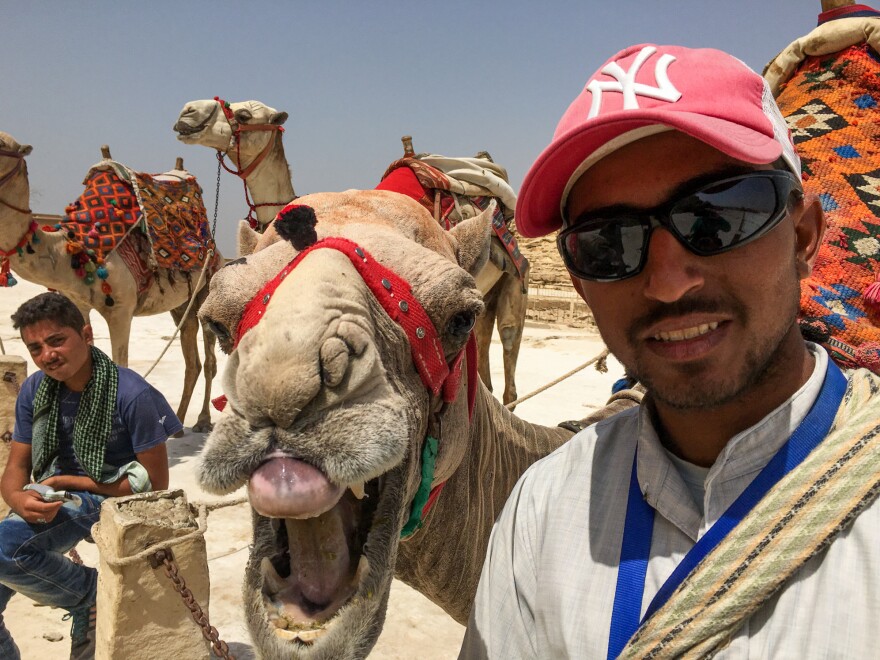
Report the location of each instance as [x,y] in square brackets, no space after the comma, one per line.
[49,494]
[57,496]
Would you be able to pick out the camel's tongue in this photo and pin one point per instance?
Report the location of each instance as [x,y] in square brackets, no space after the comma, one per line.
[288,488]
[322,576]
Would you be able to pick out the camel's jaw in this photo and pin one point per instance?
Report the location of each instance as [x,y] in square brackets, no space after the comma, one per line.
[321,565]
[291,612]
[200,125]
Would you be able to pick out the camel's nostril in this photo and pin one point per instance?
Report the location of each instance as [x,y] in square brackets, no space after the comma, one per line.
[334,361]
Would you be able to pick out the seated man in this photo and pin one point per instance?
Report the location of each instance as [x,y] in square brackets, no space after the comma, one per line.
[85,426]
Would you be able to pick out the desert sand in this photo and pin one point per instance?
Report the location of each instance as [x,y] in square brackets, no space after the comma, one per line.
[415,627]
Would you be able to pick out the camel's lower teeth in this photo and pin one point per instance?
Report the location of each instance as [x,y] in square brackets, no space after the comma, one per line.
[306,636]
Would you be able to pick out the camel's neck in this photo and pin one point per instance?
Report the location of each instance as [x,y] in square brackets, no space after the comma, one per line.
[444,558]
[49,265]
[270,183]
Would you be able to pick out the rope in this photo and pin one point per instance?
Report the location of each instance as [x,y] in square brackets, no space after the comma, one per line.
[222,504]
[192,300]
[599,367]
[145,555]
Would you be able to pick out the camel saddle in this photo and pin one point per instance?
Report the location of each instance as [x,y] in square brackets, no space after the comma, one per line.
[455,189]
[827,85]
[154,222]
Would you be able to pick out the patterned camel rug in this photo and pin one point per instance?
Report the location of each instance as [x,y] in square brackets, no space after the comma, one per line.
[831,105]
[155,222]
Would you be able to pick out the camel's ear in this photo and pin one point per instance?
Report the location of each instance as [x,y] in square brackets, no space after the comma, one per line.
[473,238]
[247,238]
[25,149]
[278,118]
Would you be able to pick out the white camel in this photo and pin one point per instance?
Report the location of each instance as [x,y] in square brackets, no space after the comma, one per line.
[248,132]
[47,263]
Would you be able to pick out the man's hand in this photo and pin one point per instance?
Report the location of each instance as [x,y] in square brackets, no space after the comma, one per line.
[30,506]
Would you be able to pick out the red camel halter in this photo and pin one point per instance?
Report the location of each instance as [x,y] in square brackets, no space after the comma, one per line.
[6,178]
[6,277]
[244,173]
[440,378]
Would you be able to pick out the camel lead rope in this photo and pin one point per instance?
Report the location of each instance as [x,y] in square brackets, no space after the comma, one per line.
[601,365]
[192,300]
[165,558]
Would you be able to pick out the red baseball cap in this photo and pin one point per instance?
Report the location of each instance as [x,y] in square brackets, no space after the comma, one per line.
[646,89]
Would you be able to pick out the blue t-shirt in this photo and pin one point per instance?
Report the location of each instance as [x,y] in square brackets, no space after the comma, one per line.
[143,420]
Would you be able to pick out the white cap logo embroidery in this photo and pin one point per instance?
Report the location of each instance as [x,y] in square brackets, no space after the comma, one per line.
[626,84]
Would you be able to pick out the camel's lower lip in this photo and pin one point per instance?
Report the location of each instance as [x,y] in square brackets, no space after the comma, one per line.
[318,567]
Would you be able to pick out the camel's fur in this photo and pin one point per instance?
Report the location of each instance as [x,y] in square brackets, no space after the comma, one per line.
[373,416]
[50,267]
[505,293]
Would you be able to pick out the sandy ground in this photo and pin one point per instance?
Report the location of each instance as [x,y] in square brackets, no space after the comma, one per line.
[415,627]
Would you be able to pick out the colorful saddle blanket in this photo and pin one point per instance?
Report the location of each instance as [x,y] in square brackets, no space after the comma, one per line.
[831,104]
[451,200]
[153,223]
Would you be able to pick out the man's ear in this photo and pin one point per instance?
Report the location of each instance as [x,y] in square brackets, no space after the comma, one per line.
[809,229]
[88,335]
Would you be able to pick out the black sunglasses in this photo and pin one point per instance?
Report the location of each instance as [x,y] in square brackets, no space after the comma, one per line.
[717,217]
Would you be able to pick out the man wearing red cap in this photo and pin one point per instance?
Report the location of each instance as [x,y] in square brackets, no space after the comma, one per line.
[733,513]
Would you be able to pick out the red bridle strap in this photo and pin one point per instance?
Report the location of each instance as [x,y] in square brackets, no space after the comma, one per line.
[237,129]
[396,297]
[6,178]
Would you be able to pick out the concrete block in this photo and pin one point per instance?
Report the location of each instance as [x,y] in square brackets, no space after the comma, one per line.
[140,615]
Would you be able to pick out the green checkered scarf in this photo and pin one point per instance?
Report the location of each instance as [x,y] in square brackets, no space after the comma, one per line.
[91,429]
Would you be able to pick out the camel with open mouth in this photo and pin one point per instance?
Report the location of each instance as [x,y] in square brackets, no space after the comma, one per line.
[357,362]
[248,133]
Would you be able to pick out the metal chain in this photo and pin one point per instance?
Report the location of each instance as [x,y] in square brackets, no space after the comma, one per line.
[216,199]
[74,557]
[166,558]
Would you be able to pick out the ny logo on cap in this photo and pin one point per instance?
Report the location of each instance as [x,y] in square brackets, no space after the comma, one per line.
[626,82]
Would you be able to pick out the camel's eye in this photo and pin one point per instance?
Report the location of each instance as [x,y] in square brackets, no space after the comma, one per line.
[243,116]
[461,324]
[219,329]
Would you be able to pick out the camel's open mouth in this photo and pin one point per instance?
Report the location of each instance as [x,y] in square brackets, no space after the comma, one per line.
[185,129]
[318,561]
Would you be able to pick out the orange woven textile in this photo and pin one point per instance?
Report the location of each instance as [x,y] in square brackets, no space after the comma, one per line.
[831,104]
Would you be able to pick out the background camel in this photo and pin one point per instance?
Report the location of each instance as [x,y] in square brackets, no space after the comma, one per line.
[42,257]
[247,132]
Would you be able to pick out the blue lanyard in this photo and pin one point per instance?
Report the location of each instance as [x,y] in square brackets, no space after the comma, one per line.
[636,546]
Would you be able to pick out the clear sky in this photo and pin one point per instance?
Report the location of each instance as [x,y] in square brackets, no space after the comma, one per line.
[459,76]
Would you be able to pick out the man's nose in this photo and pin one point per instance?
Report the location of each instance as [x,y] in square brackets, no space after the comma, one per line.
[671,271]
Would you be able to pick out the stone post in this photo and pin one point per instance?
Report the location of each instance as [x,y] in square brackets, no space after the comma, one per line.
[140,615]
[13,371]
